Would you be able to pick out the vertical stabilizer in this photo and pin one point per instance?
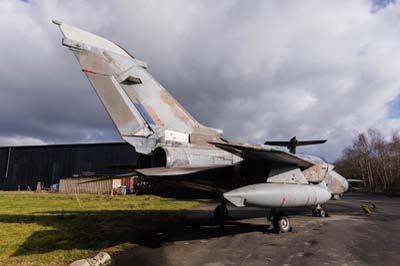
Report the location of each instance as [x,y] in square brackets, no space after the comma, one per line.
[139,106]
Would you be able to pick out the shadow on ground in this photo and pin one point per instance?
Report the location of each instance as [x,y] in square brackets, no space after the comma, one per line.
[98,230]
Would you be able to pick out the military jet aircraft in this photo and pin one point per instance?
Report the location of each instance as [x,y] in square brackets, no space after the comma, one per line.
[177,150]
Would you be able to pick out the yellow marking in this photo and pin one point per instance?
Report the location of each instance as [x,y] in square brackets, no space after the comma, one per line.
[366,210]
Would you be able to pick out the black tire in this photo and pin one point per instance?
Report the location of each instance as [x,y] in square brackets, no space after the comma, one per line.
[315,212]
[281,223]
[321,213]
[220,214]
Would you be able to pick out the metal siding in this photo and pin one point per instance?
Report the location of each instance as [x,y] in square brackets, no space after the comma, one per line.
[48,164]
[75,185]
[3,164]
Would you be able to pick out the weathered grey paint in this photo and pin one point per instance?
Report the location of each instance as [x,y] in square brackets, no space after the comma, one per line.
[289,174]
[188,156]
[138,105]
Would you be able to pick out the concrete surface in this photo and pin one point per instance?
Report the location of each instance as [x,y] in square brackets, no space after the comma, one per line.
[346,237]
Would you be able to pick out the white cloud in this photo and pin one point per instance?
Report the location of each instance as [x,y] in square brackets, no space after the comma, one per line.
[20,141]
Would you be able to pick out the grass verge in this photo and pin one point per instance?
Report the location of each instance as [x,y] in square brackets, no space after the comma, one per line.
[55,229]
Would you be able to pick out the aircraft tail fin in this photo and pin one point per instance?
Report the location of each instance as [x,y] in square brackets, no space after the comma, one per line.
[141,109]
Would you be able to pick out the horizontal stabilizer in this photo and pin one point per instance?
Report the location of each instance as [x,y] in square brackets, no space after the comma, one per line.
[176,171]
[293,143]
[160,172]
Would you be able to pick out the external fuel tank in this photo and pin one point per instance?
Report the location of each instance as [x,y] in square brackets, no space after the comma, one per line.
[273,195]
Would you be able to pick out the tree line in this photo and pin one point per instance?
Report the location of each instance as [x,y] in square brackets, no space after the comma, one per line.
[373,159]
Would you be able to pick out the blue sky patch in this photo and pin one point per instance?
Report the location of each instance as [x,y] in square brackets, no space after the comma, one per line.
[394,108]
[380,4]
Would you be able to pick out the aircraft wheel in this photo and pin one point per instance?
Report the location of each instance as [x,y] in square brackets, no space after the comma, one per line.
[220,214]
[322,213]
[281,223]
[315,212]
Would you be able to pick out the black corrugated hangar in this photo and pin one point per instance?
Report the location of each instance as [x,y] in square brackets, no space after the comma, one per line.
[23,166]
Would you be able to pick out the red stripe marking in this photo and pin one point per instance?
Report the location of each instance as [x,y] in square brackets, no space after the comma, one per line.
[88,71]
[153,115]
[316,199]
[283,201]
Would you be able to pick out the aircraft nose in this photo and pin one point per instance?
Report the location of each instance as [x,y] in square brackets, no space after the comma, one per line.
[343,181]
[346,184]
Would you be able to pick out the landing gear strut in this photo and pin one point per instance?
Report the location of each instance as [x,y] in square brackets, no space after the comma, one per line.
[280,221]
[221,213]
[319,212]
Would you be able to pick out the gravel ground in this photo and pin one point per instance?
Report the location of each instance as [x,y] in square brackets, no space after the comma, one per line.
[346,237]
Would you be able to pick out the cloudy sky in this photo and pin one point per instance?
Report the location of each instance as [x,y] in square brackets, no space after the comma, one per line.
[256,69]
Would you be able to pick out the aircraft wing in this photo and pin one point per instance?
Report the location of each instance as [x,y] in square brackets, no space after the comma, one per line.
[263,154]
[177,171]
[163,171]
[180,176]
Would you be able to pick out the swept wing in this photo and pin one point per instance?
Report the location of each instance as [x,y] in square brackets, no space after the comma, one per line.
[263,154]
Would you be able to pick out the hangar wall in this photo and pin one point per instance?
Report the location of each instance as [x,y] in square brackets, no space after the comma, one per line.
[26,165]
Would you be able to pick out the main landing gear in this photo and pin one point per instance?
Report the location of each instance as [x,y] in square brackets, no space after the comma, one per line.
[221,213]
[280,221]
[319,212]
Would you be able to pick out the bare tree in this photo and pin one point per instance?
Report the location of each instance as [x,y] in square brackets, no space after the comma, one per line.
[374,160]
